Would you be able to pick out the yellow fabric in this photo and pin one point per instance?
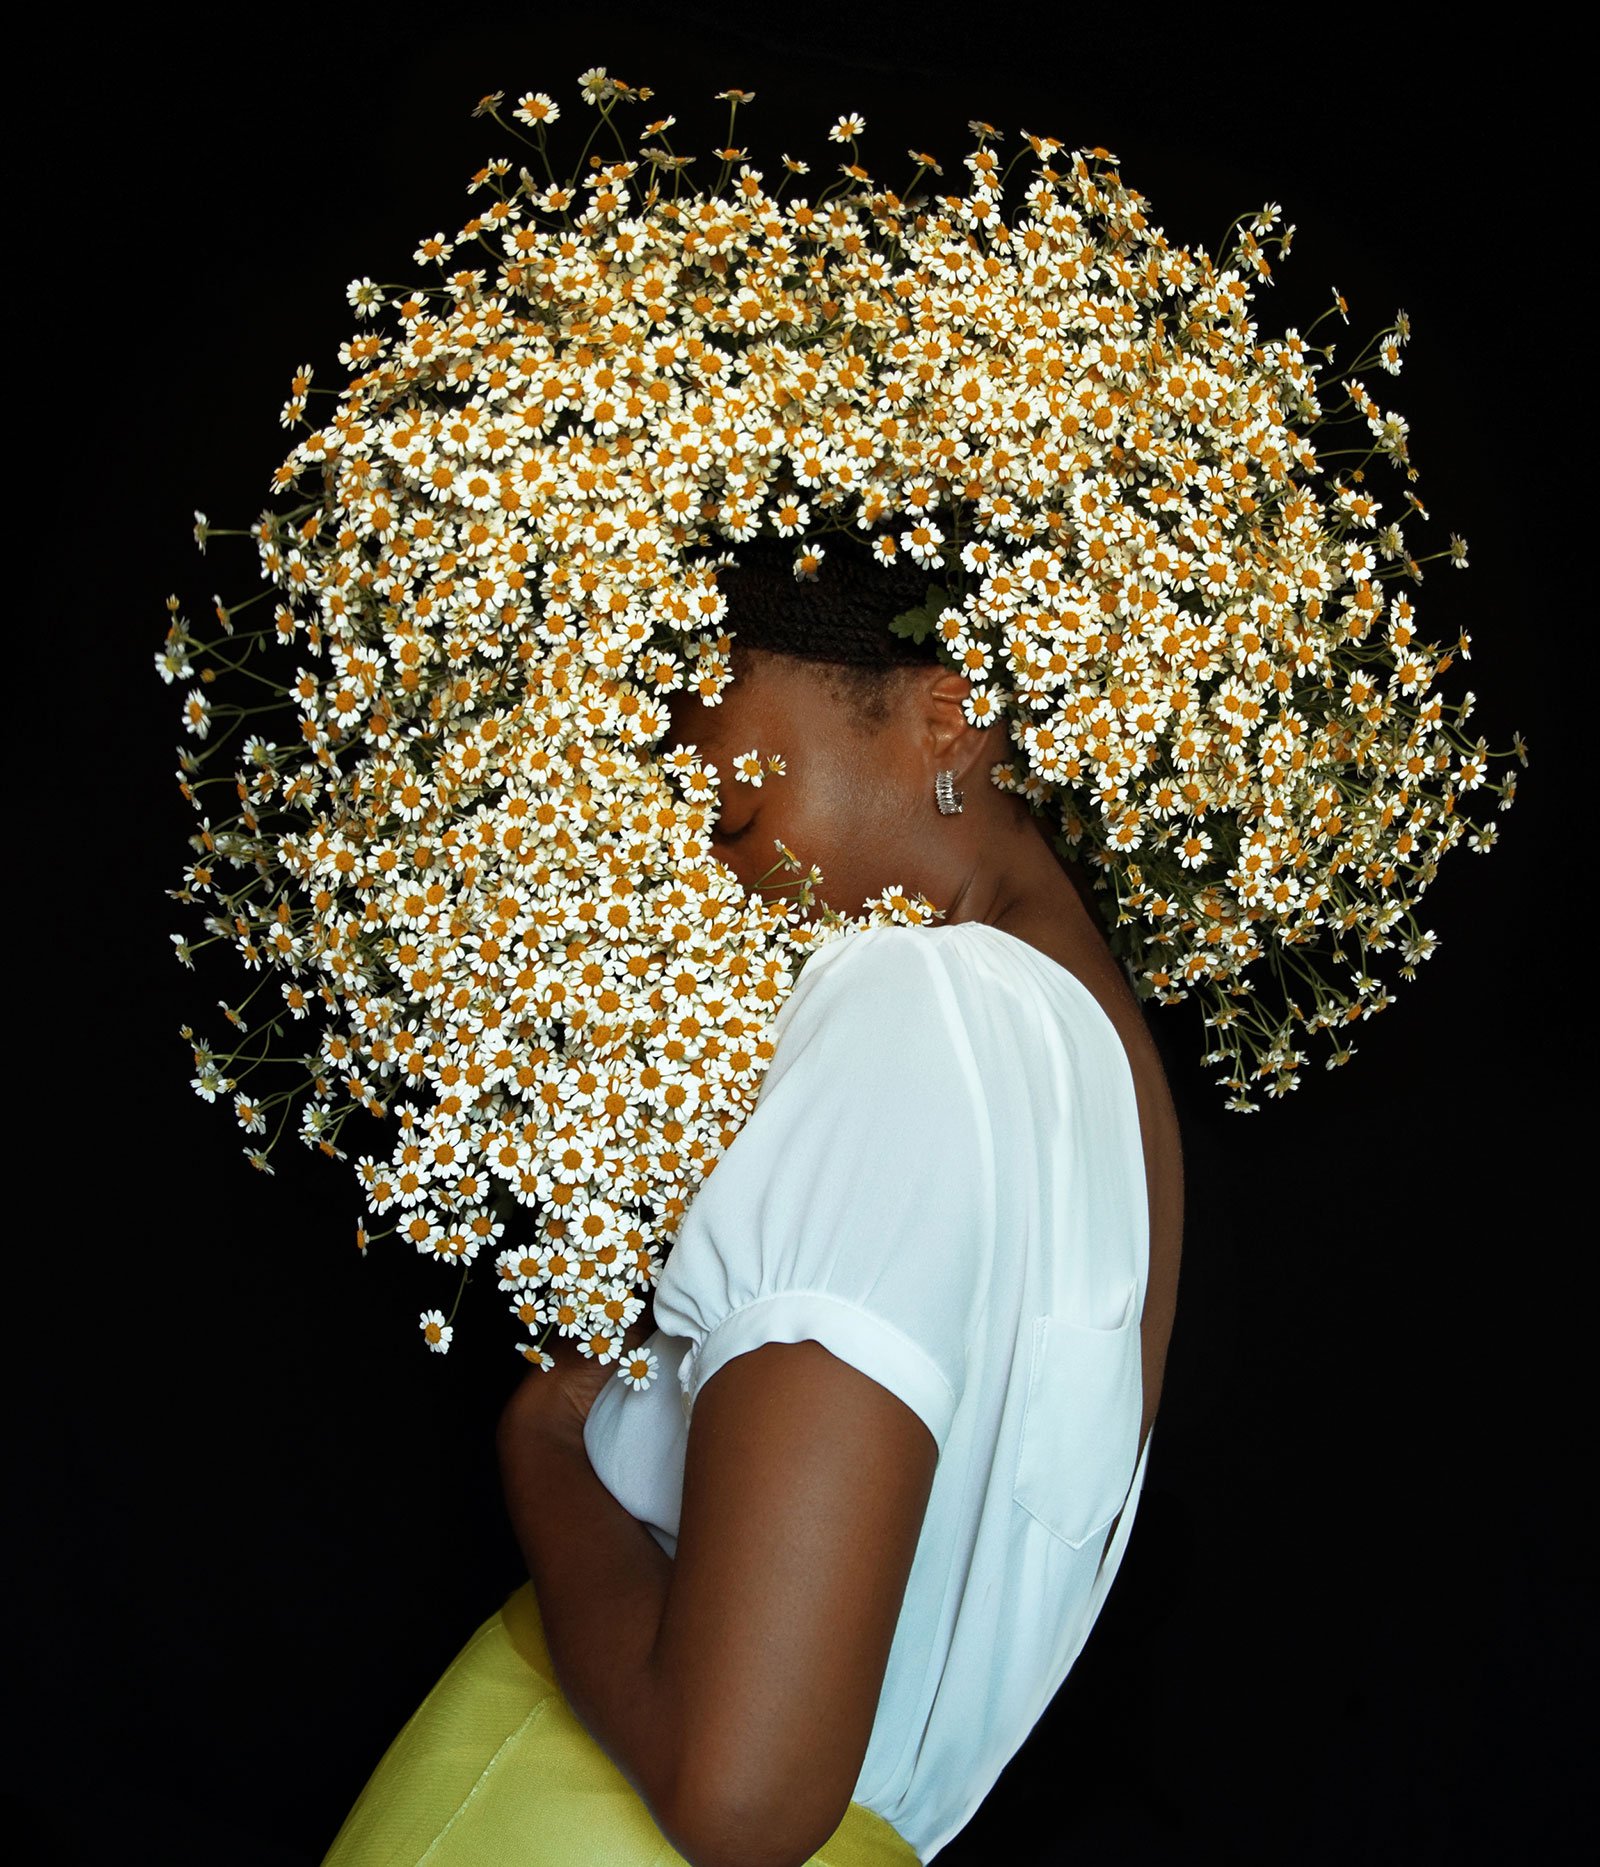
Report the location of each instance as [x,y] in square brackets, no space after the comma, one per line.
[494,1769]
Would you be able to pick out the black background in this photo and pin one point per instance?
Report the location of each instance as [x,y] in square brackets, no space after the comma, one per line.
[253,1520]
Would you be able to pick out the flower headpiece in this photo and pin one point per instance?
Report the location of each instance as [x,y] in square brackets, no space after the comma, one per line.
[467,870]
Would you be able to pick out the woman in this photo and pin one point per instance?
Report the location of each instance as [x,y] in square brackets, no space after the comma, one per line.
[910,1335]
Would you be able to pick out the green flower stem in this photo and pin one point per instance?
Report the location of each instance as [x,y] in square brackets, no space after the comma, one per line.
[466,1273]
[289,1098]
[238,667]
[233,716]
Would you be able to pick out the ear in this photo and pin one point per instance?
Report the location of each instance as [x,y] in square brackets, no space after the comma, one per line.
[951,740]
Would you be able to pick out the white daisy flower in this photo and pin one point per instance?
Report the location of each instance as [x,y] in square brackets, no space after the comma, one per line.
[638,1367]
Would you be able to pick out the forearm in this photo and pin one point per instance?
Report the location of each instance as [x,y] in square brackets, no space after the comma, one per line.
[602,1580]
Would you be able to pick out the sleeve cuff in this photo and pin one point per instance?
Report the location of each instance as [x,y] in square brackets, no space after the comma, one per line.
[866,1341]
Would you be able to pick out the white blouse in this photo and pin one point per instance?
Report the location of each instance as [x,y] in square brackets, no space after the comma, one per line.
[942,1181]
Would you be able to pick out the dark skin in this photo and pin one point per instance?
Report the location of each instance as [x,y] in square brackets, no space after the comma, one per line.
[736,1686]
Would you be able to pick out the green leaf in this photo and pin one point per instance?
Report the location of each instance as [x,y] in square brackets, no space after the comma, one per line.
[915,623]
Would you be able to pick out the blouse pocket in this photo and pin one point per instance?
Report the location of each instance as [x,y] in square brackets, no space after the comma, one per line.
[1080,1426]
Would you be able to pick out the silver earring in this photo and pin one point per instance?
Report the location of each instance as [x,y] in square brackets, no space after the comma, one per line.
[949,800]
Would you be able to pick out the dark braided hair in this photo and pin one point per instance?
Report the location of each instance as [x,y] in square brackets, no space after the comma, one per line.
[838,620]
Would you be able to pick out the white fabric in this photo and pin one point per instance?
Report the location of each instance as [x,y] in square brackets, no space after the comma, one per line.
[942,1181]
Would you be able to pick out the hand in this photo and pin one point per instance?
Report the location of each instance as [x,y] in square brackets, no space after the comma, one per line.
[557,1400]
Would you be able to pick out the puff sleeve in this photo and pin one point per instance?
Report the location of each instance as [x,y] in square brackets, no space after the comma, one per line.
[855,1207]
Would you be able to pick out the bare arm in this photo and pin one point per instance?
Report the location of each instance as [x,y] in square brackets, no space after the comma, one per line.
[736,1687]
[600,1577]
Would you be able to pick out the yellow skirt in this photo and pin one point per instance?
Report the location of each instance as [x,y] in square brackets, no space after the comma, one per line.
[495,1769]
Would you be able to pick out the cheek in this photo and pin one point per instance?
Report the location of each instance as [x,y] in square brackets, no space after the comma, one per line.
[854,832]
[831,811]
[751,853]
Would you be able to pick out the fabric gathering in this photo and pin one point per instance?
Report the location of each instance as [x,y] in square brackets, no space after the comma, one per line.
[942,1182]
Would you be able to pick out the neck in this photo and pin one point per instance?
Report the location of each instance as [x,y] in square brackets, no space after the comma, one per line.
[1016,878]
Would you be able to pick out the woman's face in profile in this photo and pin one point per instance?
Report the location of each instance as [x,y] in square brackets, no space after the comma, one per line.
[847,799]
